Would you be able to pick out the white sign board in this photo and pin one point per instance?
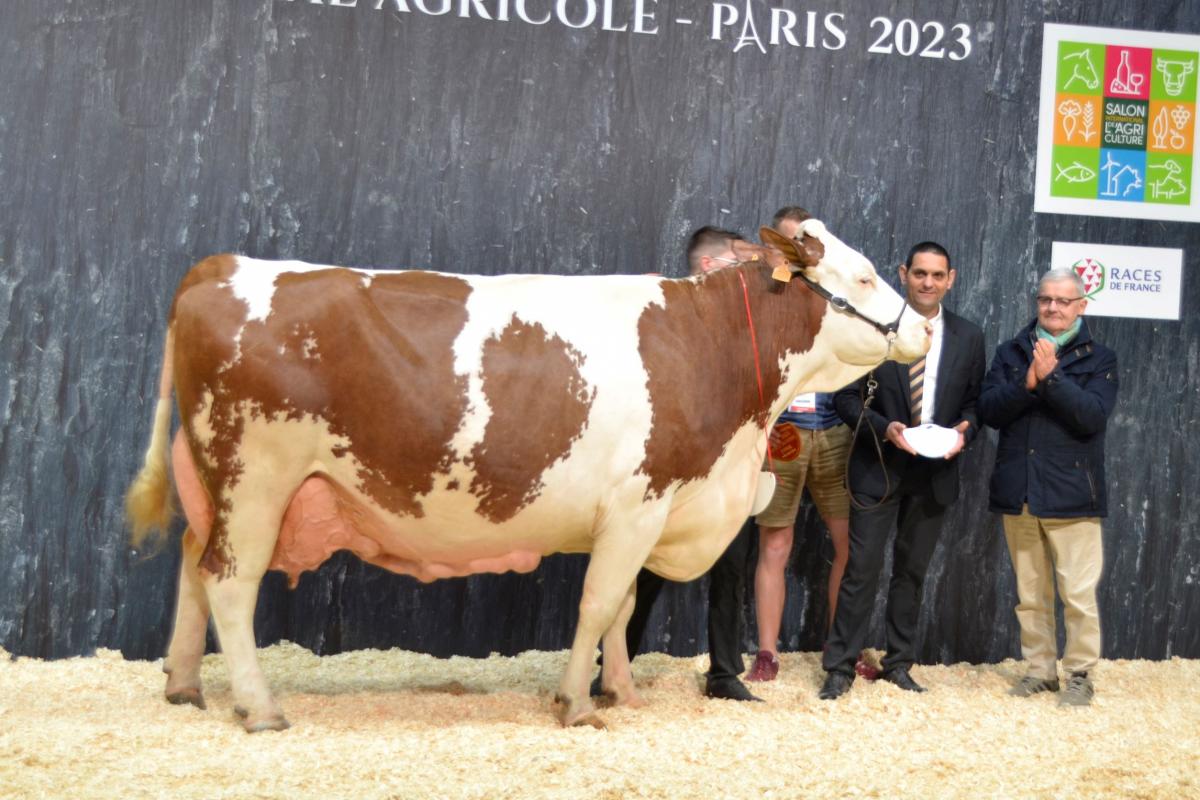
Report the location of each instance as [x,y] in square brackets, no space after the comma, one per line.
[1117,124]
[1122,281]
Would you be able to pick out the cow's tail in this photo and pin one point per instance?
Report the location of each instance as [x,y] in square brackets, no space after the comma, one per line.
[149,506]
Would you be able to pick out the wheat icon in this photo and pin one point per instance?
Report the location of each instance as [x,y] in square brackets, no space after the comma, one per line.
[1089,116]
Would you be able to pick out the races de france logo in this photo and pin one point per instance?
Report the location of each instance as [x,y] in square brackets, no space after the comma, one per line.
[1092,273]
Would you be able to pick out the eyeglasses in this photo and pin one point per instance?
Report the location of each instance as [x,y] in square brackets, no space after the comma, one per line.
[1065,302]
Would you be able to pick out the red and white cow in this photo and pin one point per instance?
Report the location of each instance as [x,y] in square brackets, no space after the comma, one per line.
[441,425]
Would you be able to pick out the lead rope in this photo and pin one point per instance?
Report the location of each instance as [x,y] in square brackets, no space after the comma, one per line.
[757,366]
[872,385]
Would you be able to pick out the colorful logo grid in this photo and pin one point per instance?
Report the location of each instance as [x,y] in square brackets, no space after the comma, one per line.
[1124,123]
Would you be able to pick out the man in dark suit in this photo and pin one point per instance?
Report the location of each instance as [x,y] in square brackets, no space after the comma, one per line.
[891,485]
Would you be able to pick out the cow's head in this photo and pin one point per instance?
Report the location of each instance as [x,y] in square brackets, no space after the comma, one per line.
[1174,74]
[867,320]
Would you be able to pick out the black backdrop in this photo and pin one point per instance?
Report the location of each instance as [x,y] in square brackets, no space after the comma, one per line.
[137,136]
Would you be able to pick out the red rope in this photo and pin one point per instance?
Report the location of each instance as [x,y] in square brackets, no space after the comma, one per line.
[757,367]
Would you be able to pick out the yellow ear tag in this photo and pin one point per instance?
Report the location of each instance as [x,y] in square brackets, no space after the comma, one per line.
[782,274]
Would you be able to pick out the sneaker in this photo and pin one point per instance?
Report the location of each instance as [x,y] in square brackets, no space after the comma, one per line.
[1030,685]
[1078,691]
[766,667]
[865,668]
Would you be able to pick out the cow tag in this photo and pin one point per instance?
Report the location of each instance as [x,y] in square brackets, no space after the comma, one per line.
[764,492]
[781,274]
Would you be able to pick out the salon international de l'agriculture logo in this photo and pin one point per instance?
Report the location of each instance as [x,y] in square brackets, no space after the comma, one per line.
[1124,123]
[1092,273]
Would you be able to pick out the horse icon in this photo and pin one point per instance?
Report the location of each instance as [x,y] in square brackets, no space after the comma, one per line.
[1082,70]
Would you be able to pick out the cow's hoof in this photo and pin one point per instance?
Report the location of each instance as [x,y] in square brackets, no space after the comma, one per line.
[574,715]
[271,722]
[266,724]
[187,697]
[590,718]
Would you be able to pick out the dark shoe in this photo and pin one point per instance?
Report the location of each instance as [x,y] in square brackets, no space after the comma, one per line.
[866,669]
[900,677]
[1078,691]
[1030,685]
[836,684]
[729,689]
[766,667]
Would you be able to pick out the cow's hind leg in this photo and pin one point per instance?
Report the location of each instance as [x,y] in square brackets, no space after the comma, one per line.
[253,527]
[186,650]
[623,542]
[233,601]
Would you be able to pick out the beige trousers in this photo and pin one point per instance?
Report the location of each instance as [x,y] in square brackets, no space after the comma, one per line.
[1063,552]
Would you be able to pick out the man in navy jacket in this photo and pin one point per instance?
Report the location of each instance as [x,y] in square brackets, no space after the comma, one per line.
[1050,391]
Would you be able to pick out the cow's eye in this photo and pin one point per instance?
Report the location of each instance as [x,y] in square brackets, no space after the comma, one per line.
[866,280]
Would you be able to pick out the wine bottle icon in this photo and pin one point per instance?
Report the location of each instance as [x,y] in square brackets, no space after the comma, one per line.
[1126,81]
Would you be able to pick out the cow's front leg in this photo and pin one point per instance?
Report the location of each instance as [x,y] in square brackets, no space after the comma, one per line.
[186,650]
[621,546]
[616,677]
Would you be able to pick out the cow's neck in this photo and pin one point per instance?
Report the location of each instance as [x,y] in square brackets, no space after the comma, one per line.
[786,320]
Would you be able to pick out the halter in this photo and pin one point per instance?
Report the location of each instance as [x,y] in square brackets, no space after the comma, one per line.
[889,331]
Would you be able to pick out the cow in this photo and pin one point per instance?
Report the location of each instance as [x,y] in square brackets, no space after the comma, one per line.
[441,425]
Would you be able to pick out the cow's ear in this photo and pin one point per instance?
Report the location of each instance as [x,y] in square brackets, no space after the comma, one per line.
[813,249]
[773,238]
[807,251]
[787,248]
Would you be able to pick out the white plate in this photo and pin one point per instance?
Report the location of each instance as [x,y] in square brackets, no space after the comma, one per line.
[931,441]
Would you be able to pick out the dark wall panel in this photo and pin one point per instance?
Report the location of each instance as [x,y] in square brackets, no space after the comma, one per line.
[138,136]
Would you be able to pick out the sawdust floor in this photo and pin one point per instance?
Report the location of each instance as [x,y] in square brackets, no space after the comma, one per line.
[397,724]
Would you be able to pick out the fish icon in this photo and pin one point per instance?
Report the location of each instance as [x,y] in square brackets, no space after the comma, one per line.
[1074,173]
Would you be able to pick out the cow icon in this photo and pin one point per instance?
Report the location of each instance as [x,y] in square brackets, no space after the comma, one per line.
[1174,73]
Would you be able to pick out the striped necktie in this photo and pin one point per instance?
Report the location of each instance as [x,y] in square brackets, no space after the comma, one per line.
[916,384]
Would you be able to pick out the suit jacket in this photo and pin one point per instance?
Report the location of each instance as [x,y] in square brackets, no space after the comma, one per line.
[959,376]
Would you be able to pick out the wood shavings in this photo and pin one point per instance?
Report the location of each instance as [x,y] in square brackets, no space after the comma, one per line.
[375,724]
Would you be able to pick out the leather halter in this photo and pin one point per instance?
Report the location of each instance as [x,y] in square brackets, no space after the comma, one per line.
[889,331]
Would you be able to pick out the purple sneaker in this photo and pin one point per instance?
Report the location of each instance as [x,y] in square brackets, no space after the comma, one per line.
[766,667]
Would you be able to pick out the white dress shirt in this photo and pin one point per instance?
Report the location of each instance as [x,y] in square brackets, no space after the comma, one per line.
[932,358]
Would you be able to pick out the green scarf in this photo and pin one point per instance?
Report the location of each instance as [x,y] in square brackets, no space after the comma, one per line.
[1061,340]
